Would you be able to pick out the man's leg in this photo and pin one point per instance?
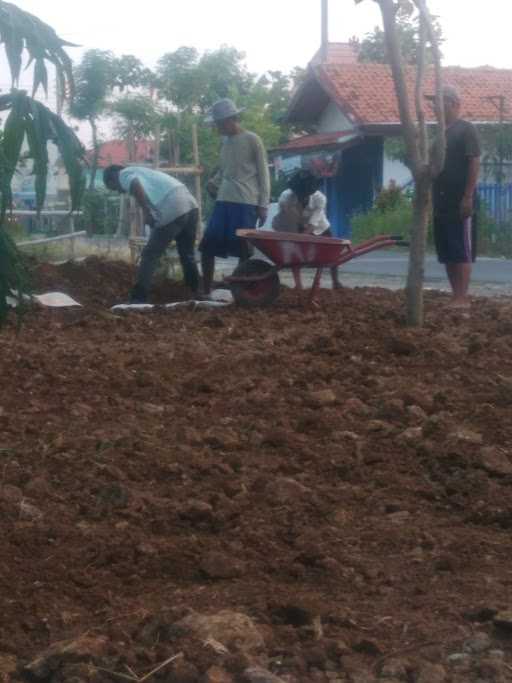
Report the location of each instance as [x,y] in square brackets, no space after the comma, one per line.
[185,242]
[336,284]
[459,275]
[208,269]
[157,244]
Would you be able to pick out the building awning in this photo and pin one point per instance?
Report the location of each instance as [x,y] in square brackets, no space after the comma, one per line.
[316,142]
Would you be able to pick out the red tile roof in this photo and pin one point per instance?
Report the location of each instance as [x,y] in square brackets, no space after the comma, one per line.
[317,140]
[116,152]
[337,53]
[366,92]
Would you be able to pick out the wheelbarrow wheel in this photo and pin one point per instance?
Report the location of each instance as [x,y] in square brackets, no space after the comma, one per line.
[262,291]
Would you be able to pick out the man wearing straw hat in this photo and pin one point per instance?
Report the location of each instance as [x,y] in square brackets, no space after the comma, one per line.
[241,189]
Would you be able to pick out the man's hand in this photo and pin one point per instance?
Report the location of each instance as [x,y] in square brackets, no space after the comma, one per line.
[212,189]
[466,206]
[148,218]
[262,216]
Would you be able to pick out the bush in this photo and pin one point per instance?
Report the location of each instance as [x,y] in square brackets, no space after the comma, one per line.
[392,214]
[101,212]
[493,239]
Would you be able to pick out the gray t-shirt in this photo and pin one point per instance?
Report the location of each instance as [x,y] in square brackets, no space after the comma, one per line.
[243,177]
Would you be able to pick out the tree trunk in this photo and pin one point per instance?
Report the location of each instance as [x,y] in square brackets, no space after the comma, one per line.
[415,277]
[95,152]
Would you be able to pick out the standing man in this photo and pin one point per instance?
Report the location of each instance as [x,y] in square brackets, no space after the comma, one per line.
[172,214]
[455,201]
[241,188]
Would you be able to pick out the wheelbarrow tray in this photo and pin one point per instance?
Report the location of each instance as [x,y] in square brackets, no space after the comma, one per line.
[287,249]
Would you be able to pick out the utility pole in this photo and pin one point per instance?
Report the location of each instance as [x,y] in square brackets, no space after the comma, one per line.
[325,31]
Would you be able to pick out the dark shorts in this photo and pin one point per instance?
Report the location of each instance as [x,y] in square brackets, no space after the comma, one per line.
[220,236]
[455,238]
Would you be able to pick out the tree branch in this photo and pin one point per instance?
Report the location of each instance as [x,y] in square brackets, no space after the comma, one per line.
[420,77]
[388,11]
[439,149]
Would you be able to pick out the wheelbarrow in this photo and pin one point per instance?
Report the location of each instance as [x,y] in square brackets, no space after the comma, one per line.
[256,282]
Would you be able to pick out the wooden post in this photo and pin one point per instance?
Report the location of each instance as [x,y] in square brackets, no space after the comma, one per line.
[156,160]
[197,177]
[72,240]
[325,31]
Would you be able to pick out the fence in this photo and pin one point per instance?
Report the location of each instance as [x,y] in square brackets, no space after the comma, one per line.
[497,199]
[48,218]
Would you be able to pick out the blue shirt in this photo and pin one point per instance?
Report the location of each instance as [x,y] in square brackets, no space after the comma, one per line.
[168,198]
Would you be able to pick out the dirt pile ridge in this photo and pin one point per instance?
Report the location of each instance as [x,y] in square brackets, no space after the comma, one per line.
[291,494]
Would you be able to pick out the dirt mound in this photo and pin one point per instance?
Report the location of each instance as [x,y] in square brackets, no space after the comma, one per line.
[283,495]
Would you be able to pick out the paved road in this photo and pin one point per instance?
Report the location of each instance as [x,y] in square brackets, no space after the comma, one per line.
[491,276]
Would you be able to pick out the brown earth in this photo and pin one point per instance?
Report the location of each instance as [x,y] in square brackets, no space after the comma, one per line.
[341,483]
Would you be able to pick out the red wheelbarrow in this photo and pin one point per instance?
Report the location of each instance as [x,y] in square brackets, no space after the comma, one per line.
[256,282]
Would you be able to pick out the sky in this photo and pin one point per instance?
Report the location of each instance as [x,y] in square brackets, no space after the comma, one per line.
[273,34]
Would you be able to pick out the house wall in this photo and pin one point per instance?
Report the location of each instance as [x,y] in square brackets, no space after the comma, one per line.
[333,120]
[397,171]
[354,188]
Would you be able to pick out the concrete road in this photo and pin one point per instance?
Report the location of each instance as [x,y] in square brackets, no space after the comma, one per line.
[491,276]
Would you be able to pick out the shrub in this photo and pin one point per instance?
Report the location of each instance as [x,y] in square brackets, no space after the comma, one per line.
[101,212]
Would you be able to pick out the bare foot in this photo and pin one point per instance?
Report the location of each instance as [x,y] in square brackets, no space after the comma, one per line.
[459,304]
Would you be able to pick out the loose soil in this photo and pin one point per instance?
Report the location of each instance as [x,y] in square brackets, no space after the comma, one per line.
[341,480]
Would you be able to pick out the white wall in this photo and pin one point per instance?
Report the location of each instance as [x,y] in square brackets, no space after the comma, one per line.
[397,171]
[333,120]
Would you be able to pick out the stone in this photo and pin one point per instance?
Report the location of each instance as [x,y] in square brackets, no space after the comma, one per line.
[503,620]
[236,631]
[394,669]
[8,665]
[11,494]
[216,674]
[216,565]
[496,461]
[432,673]
[356,407]
[286,490]
[323,398]
[465,435]
[83,648]
[416,414]
[379,426]
[478,643]
[459,659]
[256,674]
[196,511]
[29,512]
[410,436]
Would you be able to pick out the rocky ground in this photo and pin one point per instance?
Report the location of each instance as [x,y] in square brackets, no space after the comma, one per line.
[284,495]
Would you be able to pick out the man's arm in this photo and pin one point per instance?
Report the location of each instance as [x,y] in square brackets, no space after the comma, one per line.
[263,181]
[137,191]
[473,173]
[473,152]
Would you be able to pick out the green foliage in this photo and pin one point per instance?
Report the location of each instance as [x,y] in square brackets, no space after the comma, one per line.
[136,113]
[395,219]
[14,277]
[193,82]
[93,82]
[100,212]
[21,31]
[31,121]
[372,48]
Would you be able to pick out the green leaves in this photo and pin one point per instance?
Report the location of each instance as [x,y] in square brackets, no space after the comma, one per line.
[34,122]
[14,277]
[21,31]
